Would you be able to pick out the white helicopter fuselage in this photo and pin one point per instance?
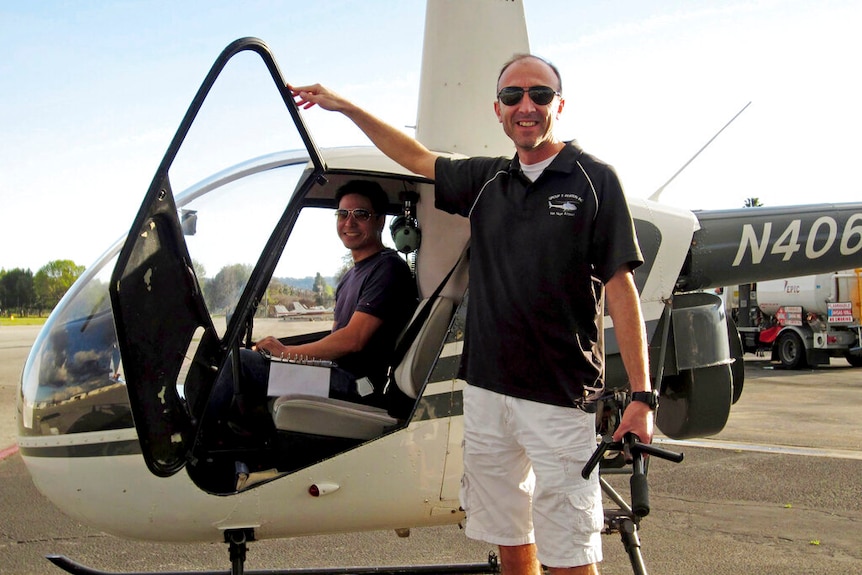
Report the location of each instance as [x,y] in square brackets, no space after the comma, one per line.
[405,479]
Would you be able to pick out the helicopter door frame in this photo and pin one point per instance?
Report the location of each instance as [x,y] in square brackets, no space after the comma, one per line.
[154,279]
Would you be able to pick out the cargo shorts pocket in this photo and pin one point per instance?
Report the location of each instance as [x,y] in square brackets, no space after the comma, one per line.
[588,516]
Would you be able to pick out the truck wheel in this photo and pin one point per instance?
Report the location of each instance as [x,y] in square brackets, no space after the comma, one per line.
[853,359]
[791,350]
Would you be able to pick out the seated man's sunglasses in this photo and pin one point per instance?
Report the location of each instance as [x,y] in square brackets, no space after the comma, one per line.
[540,95]
[359,214]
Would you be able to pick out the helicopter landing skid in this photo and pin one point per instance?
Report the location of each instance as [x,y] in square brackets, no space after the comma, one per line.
[237,541]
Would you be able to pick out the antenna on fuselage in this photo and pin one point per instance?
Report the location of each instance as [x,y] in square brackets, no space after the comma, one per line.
[655,195]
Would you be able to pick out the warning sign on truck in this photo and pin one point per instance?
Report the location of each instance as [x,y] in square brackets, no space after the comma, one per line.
[840,312]
[789,315]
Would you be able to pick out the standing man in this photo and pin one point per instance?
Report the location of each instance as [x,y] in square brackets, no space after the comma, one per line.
[552,239]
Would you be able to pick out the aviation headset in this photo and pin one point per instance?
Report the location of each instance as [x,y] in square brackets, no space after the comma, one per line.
[405,227]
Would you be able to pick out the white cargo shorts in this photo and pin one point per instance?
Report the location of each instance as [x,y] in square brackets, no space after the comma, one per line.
[522,479]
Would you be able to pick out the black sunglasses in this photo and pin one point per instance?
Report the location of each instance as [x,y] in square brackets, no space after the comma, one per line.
[359,214]
[541,95]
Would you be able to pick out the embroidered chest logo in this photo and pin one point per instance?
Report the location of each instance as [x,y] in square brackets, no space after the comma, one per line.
[564,204]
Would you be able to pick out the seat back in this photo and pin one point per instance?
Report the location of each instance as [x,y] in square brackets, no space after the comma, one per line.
[412,371]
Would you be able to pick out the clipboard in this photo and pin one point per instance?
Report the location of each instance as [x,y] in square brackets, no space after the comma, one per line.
[288,378]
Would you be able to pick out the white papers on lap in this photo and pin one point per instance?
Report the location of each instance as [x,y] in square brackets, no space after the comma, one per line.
[297,379]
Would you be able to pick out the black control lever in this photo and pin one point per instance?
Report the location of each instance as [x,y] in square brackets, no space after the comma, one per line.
[638,481]
[634,451]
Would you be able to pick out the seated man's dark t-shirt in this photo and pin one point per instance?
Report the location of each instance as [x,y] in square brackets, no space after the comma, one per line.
[383,286]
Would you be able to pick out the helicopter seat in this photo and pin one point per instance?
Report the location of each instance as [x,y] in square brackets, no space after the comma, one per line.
[344,419]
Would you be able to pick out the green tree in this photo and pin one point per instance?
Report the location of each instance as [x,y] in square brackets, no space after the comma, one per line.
[346,264]
[17,291]
[320,290]
[200,274]
[225,288]
[200,270]
[752,203]
[53,280]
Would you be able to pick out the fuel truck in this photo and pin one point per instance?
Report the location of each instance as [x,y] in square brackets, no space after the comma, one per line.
[801,321]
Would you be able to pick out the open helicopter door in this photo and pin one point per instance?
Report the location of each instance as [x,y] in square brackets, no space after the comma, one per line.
[159,309]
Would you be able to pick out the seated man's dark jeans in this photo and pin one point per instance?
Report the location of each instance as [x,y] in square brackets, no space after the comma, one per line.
[240,409]
[243,411]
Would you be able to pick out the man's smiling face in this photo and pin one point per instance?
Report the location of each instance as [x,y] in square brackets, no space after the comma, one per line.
[529,125]
[361,238]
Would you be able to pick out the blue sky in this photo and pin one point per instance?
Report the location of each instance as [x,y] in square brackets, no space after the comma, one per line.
[93,91]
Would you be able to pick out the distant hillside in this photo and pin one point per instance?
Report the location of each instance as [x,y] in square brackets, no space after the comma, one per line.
[306,283]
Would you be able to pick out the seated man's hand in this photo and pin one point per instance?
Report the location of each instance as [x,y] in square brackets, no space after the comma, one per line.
[272,346]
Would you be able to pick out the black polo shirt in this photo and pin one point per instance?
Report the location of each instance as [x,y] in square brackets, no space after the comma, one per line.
[539,257]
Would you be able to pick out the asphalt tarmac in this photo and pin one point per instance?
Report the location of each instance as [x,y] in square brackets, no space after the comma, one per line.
[779,490]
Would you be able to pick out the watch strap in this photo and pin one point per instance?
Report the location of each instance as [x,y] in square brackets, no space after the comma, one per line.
[648,397]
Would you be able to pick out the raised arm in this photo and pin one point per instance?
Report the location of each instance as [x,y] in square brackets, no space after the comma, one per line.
[403,149]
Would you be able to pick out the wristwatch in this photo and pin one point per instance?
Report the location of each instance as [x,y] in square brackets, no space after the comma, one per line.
[648,397]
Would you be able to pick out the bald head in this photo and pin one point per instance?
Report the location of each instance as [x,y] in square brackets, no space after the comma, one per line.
[520,57]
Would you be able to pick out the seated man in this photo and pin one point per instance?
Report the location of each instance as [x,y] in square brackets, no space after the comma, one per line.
[374,301]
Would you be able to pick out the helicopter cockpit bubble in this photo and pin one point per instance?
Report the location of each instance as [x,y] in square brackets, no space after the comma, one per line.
[72,380]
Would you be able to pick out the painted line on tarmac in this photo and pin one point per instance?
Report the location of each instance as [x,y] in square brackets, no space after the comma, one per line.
[8,452]
[760,448]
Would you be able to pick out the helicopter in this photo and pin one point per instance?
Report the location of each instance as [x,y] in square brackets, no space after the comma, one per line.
[114,389]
